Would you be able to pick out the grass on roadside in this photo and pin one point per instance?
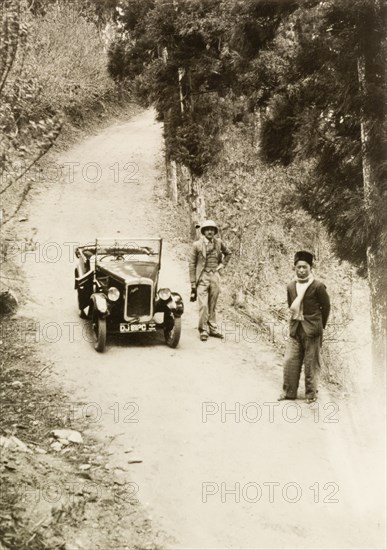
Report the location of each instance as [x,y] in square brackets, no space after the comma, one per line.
[69,60]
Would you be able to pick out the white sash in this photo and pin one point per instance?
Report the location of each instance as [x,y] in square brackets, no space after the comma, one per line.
[296,307]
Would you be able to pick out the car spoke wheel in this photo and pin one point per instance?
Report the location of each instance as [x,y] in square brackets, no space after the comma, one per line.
[99,332]
[172,333]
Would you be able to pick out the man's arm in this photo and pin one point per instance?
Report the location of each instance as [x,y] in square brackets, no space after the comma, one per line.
[325,303]
[289,297]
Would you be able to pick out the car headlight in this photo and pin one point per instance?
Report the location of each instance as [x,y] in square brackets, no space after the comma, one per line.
[164,294]
[113,294]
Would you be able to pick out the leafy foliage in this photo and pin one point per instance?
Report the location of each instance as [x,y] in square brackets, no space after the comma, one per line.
[314,109]
[98,11]
[69,62]
[53,69]
[24,138]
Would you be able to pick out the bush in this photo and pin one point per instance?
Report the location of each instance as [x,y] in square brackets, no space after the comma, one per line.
[69,60]
[52,70]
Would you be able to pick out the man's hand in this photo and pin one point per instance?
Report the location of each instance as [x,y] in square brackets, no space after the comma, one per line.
[193,296]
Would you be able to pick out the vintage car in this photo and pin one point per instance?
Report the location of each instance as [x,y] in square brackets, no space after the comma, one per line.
[117,287]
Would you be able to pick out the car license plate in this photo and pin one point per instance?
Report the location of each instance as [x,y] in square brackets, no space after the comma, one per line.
[137,327]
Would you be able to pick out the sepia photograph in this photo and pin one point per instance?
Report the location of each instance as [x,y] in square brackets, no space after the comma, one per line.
[193,274]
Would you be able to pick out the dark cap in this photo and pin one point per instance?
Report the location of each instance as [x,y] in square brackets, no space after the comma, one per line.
[304,256]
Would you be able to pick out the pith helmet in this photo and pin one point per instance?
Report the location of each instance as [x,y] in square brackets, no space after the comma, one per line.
[207,225]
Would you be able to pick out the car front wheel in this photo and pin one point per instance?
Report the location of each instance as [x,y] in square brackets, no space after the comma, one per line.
[172,332]
[99,332]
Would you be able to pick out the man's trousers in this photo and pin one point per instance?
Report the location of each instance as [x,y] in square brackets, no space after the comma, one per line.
[208,290]
[302,350]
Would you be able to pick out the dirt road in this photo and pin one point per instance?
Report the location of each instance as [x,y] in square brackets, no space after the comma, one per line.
[268,475]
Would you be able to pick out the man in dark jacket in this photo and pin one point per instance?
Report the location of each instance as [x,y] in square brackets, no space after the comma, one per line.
[309,306]
[209,255]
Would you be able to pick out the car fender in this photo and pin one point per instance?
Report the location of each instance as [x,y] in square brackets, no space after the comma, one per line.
[100,303]
[82,280]
[178,304]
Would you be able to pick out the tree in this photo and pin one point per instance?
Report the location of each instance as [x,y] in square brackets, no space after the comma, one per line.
[173,48]
[327,103]
[182,57]
[172,56]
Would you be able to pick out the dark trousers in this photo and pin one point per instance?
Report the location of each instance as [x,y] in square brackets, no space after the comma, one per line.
[302,350]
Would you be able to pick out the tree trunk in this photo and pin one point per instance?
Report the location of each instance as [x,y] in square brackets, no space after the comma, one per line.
[181,75]
[197,206]
[173,194]
[376,257]
[171,174]
[170,163]
[377,280]
[195,195]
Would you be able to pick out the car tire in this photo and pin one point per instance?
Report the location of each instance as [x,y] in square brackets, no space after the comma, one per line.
[99,332]
[172,336]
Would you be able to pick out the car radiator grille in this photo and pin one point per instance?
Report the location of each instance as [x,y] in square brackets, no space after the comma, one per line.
[138,300]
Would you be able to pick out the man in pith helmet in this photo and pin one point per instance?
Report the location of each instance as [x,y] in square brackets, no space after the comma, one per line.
[208,258]
[309,306]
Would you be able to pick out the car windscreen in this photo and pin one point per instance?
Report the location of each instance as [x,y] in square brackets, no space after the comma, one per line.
[136,248]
